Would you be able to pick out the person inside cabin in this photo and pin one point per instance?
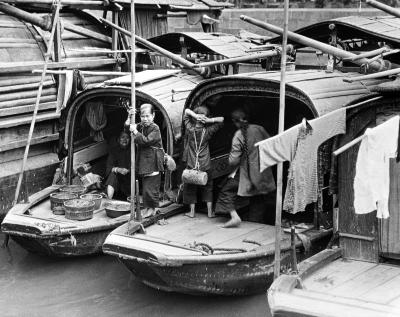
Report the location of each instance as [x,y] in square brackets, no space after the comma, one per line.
[245,182]
[149,159]
[118,167]
[199,129]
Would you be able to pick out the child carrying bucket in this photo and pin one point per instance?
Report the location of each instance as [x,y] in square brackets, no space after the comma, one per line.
[199,129]
[150,158]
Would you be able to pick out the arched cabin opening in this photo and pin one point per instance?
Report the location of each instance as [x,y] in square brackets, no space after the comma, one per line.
[260,99]
[82,142]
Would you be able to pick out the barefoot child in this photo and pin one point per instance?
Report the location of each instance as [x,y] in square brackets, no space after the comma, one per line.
[199,129]
[150,158]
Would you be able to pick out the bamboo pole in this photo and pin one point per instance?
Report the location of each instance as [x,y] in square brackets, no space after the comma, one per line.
[281,128]
[39,92]
[132,111]
[43,22]
[84,72]
[384,8]
[306,41]
[239,59]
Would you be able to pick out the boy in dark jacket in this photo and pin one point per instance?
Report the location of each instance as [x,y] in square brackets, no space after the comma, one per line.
[150,158]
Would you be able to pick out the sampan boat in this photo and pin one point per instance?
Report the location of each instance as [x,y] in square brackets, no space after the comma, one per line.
[33,225]
[359,277]
[197,256]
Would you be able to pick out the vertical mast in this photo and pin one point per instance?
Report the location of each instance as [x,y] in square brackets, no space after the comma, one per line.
[282,92]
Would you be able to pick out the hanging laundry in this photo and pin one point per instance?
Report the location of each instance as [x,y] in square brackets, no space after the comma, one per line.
[97,119]
[64,90]
[372,180]
[299,145]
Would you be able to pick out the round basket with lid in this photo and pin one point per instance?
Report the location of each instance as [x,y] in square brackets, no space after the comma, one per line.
[79,209]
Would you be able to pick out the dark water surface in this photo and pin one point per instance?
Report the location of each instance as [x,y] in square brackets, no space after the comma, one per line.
[32,285]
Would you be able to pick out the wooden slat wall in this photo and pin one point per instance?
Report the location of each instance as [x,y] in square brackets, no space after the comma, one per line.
[349,222]
[22,44]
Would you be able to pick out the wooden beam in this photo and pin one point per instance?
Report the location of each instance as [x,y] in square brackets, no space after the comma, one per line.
[27,108]
[23,67]
[86,32]
[21,120]
[22,143]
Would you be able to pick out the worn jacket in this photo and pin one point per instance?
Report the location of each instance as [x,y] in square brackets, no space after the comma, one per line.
[150,156]
[189,150]
[258,183]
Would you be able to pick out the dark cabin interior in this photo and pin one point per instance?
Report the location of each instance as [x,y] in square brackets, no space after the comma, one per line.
[263,109]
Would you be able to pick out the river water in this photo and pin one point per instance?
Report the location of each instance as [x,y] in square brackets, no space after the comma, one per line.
[32,285]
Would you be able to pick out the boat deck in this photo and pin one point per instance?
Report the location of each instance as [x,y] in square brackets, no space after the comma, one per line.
[357,280]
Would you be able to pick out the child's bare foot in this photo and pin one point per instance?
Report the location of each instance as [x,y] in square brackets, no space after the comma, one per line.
[233,223]
[190,214]
[147,213]
[211,214]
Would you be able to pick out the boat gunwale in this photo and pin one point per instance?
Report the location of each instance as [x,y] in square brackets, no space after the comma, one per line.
[195,259]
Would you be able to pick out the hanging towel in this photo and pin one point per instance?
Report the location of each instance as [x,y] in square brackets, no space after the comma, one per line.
[299,145]
[64,90]
[97,119]
[371,183]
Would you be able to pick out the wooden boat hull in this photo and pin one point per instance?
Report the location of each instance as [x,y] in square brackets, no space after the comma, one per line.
[227,274]
[230,278]
[64,246]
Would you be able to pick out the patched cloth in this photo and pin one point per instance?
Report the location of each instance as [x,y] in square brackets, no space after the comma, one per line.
[299,145]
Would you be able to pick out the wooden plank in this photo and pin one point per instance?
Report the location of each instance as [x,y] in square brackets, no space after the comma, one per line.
[90,153]
[335,274]
[26,94]
[25,119]
[23,67]
[368,280]
[25,102]
[37,140]
[26,109]
[386,293]
[6,89]
[86,32]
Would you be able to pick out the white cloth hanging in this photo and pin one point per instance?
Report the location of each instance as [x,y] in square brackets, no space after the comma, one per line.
[64,90]
[372,179]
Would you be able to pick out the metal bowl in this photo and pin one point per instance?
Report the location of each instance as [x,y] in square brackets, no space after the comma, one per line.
[116,209]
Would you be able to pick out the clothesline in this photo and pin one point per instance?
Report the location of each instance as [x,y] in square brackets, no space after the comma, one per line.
[347,108]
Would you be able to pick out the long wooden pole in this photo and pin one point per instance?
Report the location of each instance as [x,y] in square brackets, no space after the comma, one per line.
[306,41]
[134,201]
[39,93]
[384,8]
[281,128]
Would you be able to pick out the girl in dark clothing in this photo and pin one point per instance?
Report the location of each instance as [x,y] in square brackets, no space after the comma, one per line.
[150,158]
[198,131]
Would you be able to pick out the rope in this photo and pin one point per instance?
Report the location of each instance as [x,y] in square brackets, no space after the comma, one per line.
[198,148]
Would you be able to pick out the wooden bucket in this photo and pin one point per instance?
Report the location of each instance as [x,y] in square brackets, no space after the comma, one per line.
[79,209]
[194,177]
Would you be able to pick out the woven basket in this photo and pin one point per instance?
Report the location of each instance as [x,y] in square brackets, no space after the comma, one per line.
[74,189]
[195,177]
[97,198]
[57,200]
[79,209]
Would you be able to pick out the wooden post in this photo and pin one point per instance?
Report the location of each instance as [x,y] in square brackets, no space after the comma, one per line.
[132,117]
[114,32]
[39,93]
[281,128]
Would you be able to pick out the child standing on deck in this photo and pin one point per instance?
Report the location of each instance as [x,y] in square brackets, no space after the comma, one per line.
[199,129]
[150,158]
